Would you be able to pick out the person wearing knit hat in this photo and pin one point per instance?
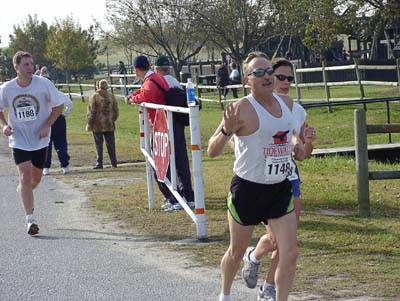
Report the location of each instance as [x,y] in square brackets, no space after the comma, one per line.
[102,112]
[141,62]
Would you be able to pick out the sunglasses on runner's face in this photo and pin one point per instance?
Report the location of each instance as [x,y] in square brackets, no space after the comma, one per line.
[282,78]
[261,72]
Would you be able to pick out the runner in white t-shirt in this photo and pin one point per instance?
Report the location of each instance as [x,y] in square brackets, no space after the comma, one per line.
[33,104]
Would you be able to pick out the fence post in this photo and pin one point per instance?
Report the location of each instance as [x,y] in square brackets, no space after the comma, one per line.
[360,85]
[80,88]
[361,152]
[325,79]
[296,83]
[398,72]
[195,141]
[111,83]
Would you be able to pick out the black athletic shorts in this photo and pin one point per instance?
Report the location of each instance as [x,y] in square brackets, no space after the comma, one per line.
[250,203]
[37,157]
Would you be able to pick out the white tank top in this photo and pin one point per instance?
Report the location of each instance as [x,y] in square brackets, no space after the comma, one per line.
[299,117]
[265,156]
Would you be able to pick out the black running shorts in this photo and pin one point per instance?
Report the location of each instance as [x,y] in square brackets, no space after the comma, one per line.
[37,157]
[250,203]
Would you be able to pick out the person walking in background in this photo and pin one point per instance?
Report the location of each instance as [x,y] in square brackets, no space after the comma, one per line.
[261,127]
[58,135]
[181,156]
[102,112]
[222,80]
[234,79]
[283,72]
[33,105]
[122,79]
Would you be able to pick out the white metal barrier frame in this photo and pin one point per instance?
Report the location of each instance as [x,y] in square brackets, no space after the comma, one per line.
[198,215]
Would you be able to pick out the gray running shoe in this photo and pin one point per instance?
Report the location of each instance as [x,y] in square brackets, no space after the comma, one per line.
[173,207]
[32,227]
[250,269]
[269,294]
[166,204]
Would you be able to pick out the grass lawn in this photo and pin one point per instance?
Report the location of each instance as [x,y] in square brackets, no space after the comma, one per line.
[342,255]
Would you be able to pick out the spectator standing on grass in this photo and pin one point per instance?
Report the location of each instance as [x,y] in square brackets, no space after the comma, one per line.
[223,80]
[261,126]
[122,79]
[234,79]
[102,112]
[33,105]
[150,92]
[283,72]
[58,135]
[181,156]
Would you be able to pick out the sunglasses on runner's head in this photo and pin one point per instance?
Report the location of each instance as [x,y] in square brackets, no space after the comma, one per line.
[282,78]
[261,72]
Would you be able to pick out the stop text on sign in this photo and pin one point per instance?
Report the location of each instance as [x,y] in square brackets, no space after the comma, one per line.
[161,142]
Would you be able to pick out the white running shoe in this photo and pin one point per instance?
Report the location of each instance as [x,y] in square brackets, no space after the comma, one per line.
[46,171]
[65,170]
[250,269]
[32,227]
[268,294]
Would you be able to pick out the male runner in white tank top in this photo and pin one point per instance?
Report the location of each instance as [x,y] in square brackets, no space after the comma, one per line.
[262,127]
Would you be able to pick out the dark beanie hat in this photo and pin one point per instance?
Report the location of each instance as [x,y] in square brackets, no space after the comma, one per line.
[141,62]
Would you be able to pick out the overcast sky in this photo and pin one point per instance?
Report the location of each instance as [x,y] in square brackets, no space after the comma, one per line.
[15,13]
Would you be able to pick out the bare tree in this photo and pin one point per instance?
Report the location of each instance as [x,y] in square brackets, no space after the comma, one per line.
[159,27]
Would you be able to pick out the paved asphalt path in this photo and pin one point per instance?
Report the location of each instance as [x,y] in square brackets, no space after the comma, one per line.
[80,255]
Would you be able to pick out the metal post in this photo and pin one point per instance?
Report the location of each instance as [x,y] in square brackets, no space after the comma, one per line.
[172,165]
[361,152]
[145,139]
[195,140]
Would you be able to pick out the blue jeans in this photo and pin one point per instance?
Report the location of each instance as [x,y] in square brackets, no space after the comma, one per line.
[58,137]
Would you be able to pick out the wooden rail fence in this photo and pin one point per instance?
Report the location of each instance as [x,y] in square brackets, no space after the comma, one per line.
[361,129]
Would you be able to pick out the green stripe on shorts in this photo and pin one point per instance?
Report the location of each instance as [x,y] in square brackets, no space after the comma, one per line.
[291,205]
[232,208]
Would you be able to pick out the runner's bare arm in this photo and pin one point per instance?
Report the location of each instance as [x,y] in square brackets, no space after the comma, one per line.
[7,130]
[56,111]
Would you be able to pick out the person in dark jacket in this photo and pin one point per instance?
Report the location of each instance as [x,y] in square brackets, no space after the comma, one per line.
[223,80]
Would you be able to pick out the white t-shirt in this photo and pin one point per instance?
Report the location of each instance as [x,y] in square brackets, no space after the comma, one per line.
[28,110]
[234,75]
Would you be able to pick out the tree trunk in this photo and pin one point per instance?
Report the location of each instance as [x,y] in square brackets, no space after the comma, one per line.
[288,49]
[278,47]
[389,46]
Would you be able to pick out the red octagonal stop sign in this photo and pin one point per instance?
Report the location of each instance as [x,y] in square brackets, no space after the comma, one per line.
[161,145]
